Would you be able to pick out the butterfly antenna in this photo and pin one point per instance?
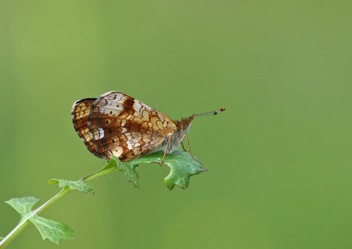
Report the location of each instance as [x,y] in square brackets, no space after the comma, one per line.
[210,113]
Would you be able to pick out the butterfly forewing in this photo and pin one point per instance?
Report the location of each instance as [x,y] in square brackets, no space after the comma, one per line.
[125,127]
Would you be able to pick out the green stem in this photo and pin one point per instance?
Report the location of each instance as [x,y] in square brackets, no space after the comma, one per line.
[23,223]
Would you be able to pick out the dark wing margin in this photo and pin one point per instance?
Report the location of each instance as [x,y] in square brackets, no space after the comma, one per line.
[80,113]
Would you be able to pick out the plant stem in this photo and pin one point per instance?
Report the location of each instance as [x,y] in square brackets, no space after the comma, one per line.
[23,223]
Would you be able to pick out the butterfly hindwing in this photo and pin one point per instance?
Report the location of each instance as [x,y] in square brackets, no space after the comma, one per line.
[80,113]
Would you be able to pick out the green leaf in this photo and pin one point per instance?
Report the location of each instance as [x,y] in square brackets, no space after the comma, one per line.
[1,238]
[130,172]
[182,167]
[74,185]
[53,230]
[50,229]
[23,205]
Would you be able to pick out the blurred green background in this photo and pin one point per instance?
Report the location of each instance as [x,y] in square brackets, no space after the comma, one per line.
[279,157]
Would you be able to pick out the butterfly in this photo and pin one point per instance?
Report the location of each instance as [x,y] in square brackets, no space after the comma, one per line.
[120,125]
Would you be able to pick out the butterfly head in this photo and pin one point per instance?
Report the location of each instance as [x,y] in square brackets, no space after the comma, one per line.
[185,124]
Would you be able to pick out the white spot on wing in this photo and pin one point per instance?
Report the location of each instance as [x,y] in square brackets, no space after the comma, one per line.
[136,105]
[129,137]
[129,145]
[117,151]
[101,110]
[101,133]
[118,97]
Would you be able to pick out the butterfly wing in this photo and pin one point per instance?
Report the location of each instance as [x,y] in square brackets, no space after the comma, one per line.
[125,127]
[80,113]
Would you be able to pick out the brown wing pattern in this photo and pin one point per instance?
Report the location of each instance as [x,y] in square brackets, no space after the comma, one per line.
[122,126]
[125,127]
[129,146]
[80,113]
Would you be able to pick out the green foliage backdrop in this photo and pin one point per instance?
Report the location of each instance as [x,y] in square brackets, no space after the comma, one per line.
[279,157]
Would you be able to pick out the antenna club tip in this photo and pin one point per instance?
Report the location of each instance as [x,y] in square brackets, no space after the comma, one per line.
[222,109]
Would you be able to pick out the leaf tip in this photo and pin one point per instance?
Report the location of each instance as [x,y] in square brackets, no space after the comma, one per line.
[53,181]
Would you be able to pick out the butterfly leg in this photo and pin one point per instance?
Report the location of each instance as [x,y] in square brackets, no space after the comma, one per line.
[167,146]
[183,147]
[189,149]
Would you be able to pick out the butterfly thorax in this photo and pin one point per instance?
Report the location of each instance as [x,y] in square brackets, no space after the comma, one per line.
[182,127]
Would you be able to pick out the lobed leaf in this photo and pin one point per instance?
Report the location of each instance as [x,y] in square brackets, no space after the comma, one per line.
[53,230]
[130,172]
[74,185]
[182,167]
[23,205]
